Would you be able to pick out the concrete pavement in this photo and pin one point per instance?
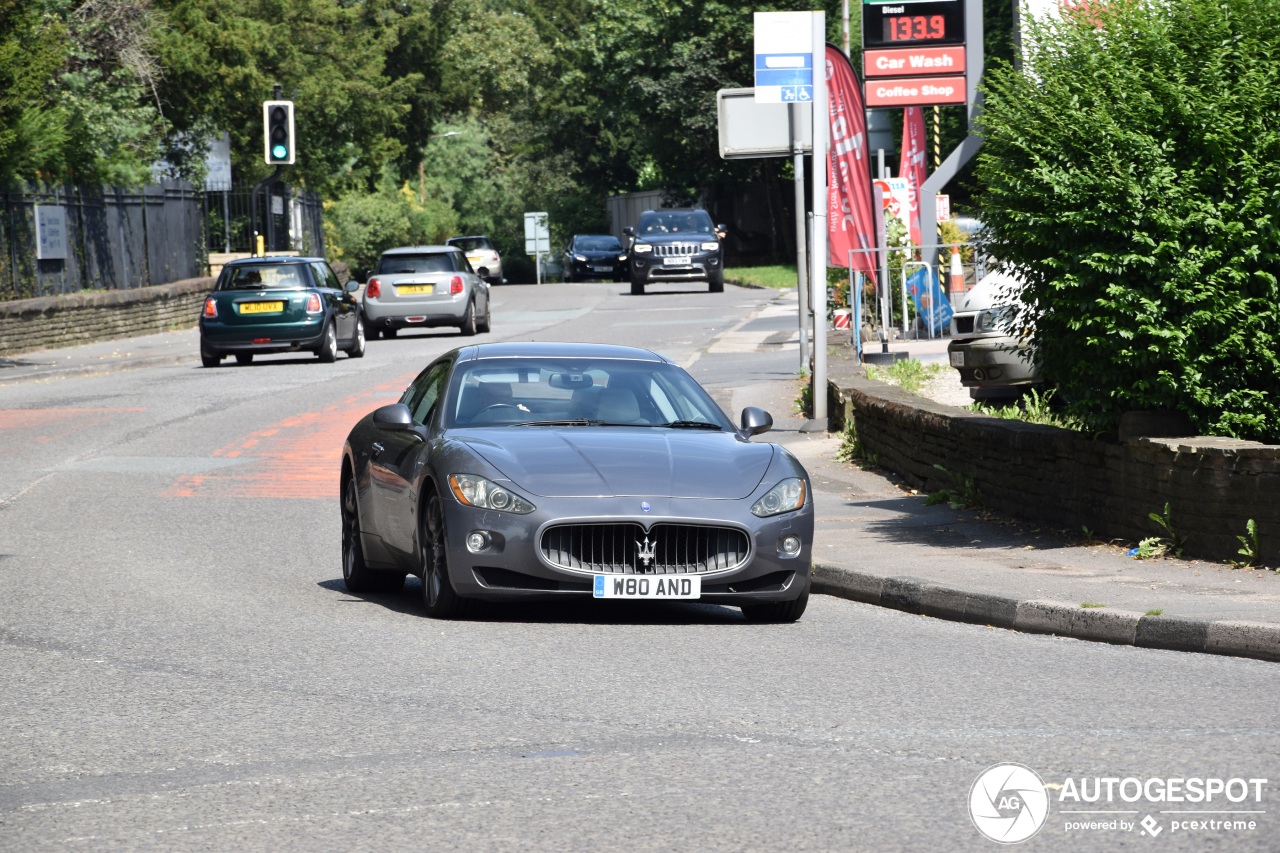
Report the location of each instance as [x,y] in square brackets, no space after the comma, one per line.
[879,543]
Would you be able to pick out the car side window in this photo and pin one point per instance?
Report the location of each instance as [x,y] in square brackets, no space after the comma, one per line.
[325,276]
[460,263]
[425,392]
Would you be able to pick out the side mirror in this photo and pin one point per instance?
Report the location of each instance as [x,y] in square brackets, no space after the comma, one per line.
[352,285]
[756,421]
[395,417]
[629,231]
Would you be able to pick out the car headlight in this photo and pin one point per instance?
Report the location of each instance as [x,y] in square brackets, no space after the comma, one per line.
[622,257]
[710,247]
[641,248]
[788,495]
[478,492]
[985,322]
[582,258]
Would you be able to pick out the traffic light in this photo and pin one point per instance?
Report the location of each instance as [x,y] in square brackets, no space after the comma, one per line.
[277,127]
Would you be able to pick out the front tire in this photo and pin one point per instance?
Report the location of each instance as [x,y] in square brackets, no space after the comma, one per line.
[776,612]
[328,351]
[438,597]
[355,573]
[486,325]
[717,285]
[637,288]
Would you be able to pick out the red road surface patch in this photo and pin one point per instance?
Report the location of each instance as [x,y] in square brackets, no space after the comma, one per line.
[20,428]
[297,457]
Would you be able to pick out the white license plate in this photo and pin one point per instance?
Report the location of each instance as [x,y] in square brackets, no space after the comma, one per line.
[648,586]
[957,359]
[602,269]
[678,262]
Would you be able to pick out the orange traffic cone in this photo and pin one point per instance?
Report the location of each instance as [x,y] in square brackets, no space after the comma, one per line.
[956,285]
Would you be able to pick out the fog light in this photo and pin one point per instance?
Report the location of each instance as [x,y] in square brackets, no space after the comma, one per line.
[477,541]
[791,545]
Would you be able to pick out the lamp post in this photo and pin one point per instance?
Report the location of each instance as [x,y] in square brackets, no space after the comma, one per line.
[422,187]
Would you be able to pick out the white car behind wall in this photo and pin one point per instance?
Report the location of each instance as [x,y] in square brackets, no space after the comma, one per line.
[992,363]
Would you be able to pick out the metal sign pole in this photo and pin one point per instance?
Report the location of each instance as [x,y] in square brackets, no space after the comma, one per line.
[818,257]
[802,254]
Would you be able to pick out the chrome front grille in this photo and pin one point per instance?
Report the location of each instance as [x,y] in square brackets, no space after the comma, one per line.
[665,250]
[612,548]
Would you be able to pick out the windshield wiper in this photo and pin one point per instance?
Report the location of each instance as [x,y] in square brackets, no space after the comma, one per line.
[567,422]
[692,425]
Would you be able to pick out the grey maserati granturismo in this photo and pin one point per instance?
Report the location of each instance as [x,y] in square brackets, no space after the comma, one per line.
[545,471]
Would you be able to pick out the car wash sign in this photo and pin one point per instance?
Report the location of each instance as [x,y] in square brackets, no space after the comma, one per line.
[913,52]
[784,57]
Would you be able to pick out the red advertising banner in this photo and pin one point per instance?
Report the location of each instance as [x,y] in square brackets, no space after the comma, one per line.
[912,165]
[850,218]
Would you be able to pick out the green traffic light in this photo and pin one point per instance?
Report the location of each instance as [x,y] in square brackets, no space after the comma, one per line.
[279,152]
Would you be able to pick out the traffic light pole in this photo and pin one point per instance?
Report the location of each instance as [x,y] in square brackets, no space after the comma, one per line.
[257,233]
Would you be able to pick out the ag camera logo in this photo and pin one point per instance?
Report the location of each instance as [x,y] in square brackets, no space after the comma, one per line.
[1008,803]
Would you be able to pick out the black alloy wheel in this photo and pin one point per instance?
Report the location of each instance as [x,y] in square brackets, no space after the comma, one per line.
[438,596]
[355,573]
[776,611]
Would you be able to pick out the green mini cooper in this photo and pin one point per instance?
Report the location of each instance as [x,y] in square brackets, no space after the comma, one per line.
[283,304]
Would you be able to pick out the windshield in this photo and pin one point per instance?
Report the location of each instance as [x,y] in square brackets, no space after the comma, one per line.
[425,262]
[470,244]
[675,222]
[263,277]
[597,244]
[579,392]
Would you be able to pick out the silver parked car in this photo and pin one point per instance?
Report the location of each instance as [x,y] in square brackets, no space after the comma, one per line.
[993,362]
[482,256]
[560,471]
[419,286]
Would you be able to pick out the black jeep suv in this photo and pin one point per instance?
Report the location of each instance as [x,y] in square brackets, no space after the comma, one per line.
[676,244]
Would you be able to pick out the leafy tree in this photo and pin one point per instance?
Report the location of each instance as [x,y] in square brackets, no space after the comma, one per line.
[1132,174]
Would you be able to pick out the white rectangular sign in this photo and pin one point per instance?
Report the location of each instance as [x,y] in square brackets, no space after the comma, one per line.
[51,232]
[537,237]
[784,57]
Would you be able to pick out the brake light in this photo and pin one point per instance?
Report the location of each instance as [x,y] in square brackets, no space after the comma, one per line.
[210,307]
[373,289]
[455,285]
[313,304]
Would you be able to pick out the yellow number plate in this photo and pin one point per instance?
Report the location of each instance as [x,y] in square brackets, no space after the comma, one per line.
[261,307]
[414,288]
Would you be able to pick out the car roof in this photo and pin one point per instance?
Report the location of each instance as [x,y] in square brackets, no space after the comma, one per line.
[610,236]
[274,259]
[408,250]
[468,237]
[557,349]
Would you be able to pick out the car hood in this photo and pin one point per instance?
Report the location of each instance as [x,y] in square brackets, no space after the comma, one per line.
[623,461]
[680,237]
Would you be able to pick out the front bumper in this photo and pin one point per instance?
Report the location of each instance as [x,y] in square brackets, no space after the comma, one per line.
[513,568]
[592,269]
[703,266]
[992,362]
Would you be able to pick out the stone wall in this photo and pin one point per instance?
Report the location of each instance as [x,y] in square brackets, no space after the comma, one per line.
[1069,480]
[48,322]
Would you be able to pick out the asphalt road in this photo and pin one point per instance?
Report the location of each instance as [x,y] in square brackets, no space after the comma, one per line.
[183,669]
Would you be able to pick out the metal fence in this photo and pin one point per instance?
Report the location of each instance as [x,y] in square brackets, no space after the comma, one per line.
[57,240]
[291,219]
